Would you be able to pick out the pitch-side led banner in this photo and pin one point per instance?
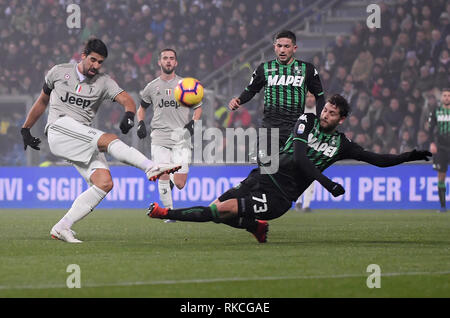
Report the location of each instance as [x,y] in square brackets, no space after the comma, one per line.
[408,186]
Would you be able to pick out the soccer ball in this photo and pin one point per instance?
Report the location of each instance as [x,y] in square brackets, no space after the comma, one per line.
[188,92]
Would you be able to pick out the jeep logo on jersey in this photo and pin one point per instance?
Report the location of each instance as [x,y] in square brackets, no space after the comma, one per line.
[75,100]
[278,80]
[323,147]
[168,103]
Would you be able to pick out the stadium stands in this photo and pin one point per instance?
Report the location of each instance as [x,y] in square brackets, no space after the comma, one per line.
[405,62]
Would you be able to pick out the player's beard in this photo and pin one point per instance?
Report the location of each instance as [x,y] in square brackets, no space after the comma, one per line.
[286,59]
[329,127]
[86,72]
[167,71]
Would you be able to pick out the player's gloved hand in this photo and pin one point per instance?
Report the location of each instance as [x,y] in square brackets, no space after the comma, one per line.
[141,130]
[336,189]
[419,155]
[29,140]
[190,127]
[127,122]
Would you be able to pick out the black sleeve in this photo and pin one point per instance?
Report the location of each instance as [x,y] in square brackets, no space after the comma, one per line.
[256,84]
[314,85]
[144,104]
[301,131]
[306,167]
[47,90]
[383,160]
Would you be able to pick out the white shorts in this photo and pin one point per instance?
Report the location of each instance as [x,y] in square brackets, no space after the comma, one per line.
[73,141]
[177,155]
[98,161]
[77,144]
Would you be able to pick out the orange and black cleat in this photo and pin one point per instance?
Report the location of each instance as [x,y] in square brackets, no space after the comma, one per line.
[157,212]
[261,231]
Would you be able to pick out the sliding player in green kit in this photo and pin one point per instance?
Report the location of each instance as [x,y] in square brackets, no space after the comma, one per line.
[313,146]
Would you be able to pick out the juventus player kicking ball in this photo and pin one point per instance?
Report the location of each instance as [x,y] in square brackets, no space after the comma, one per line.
[73,94]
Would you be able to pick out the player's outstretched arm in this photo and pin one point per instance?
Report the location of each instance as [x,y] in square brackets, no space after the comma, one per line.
[141,128]
[388,160]
[37,110]
[35,113]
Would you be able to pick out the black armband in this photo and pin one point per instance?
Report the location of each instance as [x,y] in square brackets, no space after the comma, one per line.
[47,90]
[144,104]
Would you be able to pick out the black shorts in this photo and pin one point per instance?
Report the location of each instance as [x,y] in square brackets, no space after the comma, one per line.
[440,159]
[256,201]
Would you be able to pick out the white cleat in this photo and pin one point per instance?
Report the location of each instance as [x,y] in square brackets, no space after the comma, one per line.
[65,235]
[159,169]
[169,221]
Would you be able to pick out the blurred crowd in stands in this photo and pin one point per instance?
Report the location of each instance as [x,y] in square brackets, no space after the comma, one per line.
[392,75]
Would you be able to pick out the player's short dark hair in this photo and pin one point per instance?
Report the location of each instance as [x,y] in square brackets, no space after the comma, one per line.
[341,103]
[446,89]
[97,46]
[286,34]
[167,50]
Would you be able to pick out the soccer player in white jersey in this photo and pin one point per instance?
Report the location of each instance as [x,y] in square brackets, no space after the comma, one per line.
[74,92]
[170,120]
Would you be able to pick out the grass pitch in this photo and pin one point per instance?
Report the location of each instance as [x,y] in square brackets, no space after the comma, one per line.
[319,254]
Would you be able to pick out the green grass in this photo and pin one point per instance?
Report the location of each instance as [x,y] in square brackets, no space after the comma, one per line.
[320,254]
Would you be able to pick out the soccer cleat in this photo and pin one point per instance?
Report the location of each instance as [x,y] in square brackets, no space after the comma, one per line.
[157,171]
[169,221]
[261,231]
[156,212]
[298,206]
[307,209]
[443,209]
[66,235]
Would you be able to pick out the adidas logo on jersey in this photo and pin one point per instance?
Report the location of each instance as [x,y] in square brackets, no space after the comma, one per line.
[277,80]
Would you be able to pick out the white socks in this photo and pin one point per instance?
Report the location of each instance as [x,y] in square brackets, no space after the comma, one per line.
[82,206]
[307,196]
[165,193]
[129,155]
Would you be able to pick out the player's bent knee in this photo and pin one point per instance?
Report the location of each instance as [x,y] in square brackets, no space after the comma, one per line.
[180,185]
[104,141]
[105,185]
[101,178]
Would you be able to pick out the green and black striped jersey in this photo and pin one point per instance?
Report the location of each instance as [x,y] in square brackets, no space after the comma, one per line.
[322,150]
[439,120]
[285,89]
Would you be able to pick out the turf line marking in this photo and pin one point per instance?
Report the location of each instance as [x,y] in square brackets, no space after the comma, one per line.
[220,280]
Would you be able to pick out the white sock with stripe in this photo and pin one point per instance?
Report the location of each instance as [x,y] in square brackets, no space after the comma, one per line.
[82,206]
[129,155]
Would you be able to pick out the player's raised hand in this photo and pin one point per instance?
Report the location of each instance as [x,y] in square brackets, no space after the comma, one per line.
[141,130]
[234,103]
[127,122]
[29,140]
[419,155]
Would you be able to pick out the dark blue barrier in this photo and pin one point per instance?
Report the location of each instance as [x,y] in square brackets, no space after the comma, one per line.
[412,186]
